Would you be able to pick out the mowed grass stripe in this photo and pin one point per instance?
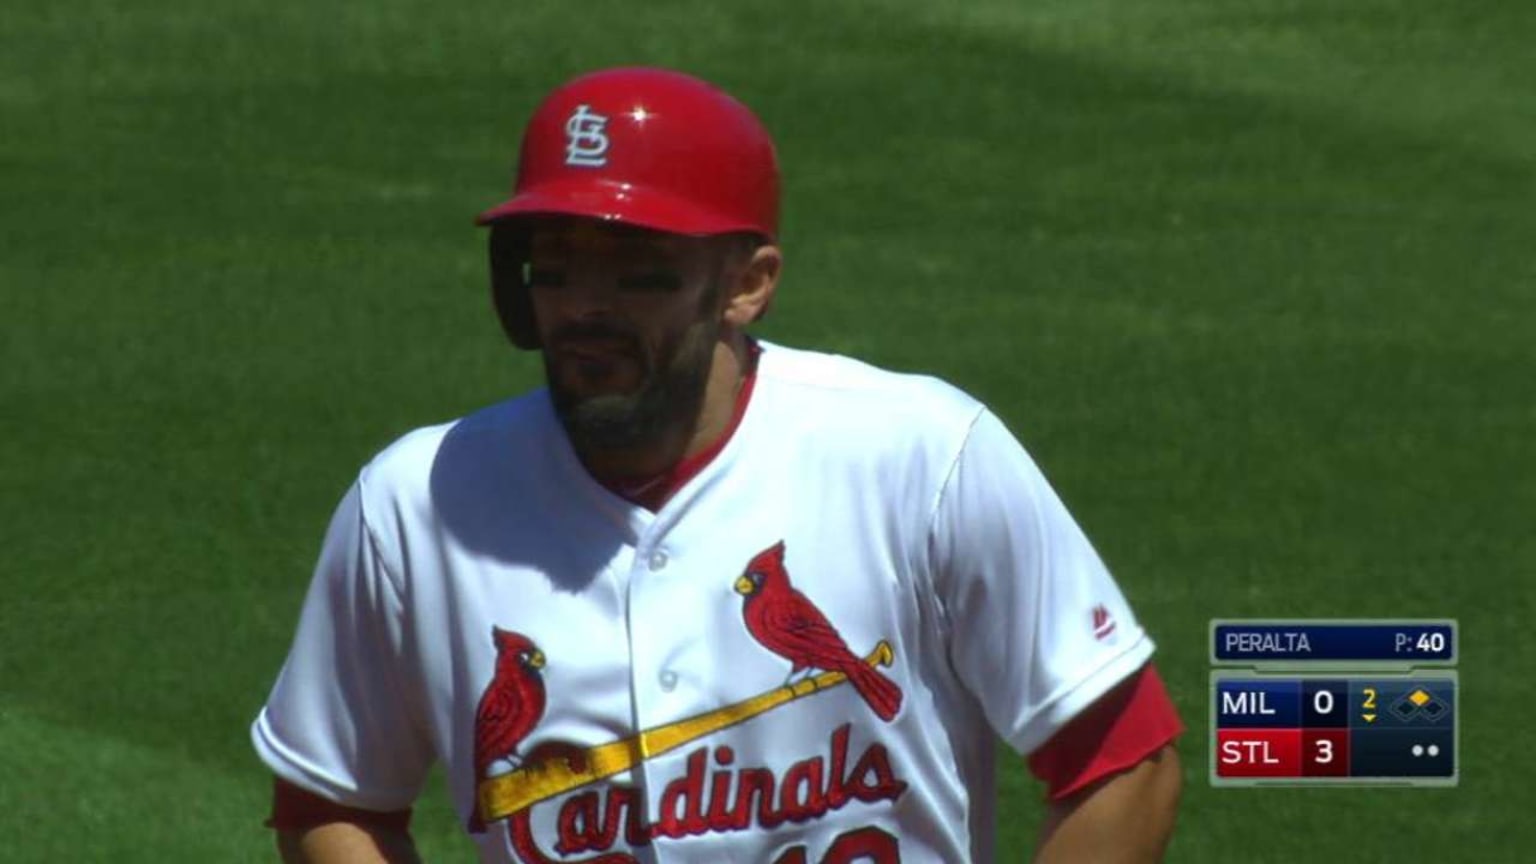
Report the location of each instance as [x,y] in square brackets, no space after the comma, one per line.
[79,794]
[1421,67]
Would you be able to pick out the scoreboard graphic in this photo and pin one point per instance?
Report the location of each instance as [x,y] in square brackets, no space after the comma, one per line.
[1334,702]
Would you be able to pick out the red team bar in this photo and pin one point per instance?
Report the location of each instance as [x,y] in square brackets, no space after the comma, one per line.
[1258,752]
[1282,753]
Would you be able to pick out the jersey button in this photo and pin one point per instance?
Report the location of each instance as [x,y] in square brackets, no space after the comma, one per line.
[658,560]
[668,680]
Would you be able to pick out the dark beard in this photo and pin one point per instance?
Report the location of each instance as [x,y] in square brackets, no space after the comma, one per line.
[670,397]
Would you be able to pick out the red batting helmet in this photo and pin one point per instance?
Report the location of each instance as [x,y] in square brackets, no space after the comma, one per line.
[647,147]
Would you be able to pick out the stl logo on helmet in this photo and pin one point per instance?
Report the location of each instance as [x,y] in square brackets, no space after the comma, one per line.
[586,143]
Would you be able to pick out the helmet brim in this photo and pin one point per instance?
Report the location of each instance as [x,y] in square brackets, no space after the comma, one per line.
[616,202]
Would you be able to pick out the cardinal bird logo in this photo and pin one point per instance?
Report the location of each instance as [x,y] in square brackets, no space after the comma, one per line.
[511,706]
[787,623]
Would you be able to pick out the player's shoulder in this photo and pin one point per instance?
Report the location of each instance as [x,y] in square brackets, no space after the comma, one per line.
[847,414]
[856,393]
[863,386]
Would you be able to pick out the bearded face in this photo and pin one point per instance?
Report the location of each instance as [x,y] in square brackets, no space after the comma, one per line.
[615,390]
[629,320]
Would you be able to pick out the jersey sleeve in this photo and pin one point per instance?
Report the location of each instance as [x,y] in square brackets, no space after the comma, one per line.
[342,720]
[1128,724]
[1037,629]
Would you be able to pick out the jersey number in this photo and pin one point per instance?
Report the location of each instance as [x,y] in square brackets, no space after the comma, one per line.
[868,845]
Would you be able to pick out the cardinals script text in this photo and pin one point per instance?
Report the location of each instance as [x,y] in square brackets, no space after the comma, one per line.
[716,795]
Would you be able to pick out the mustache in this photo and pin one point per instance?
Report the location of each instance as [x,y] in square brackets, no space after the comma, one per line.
[594,332]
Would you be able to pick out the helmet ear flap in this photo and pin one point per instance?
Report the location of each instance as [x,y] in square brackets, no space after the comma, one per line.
[508,246]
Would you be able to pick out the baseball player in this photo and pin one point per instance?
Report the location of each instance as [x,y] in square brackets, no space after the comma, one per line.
[703,598]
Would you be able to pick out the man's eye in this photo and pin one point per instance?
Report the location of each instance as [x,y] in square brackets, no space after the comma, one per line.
[651,282]
[542,278]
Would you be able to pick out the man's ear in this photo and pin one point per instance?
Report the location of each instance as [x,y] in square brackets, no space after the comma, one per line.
[752,290]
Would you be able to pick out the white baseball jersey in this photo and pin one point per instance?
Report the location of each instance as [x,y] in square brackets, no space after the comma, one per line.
[805,656]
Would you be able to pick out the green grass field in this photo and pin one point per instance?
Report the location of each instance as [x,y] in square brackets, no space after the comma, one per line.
[1255,282]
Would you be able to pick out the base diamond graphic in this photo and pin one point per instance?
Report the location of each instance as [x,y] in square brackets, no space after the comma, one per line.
[1435,709]
[1404,709]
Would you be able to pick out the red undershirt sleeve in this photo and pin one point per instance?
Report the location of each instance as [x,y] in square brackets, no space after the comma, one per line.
[297,809]
[1123,727]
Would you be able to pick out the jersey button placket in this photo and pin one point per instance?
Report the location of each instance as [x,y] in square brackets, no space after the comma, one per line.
[657,562]
[653,682]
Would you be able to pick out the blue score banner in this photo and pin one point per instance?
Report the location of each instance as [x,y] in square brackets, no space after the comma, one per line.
[1315,641]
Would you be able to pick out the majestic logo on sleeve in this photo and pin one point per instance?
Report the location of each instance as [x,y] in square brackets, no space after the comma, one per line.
[1103,623]
[586,141]
[714,794]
